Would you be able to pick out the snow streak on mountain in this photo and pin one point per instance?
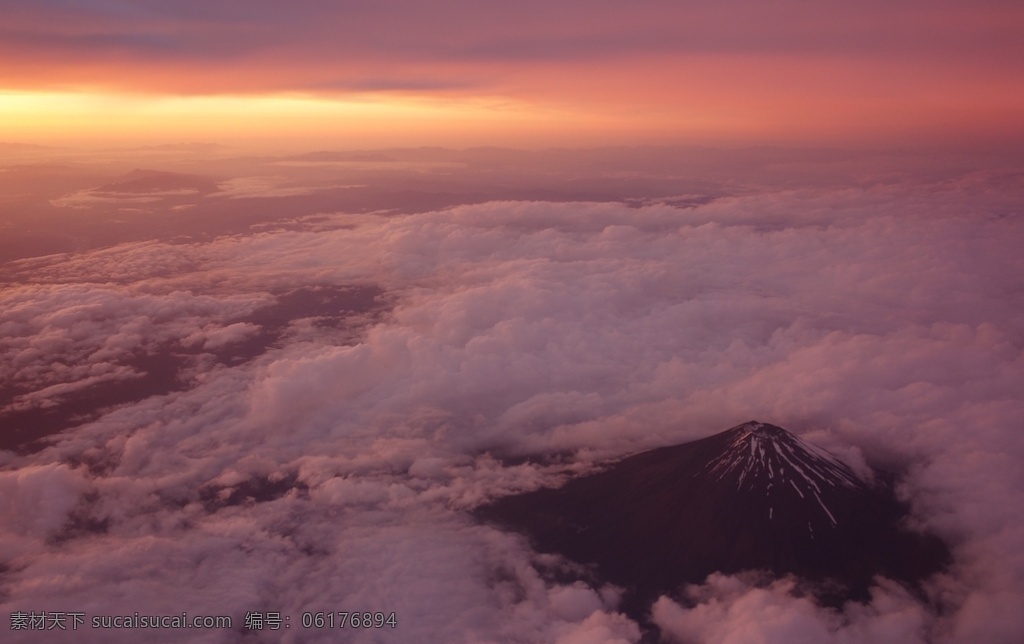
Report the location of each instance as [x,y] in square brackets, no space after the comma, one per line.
[765,458]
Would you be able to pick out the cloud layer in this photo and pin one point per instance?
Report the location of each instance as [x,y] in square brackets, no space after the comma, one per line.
[884,322]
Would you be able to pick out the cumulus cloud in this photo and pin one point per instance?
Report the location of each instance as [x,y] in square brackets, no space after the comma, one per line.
[730,610]
[326,474]
[215,337]
[62,338]
[36,502]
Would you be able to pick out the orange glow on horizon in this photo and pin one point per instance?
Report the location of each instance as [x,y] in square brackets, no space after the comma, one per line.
[96,117]
[704,100]
[105,117]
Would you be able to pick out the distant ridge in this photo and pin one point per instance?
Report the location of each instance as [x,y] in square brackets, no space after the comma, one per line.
[754,497]
[142,181]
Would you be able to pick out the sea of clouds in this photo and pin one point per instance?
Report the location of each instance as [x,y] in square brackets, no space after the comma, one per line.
[334,472]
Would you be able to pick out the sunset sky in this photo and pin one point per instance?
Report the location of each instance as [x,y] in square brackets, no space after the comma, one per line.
[529,74]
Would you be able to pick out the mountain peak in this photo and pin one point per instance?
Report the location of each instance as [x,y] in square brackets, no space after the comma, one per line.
[754,497]
[758,456]
[757,426]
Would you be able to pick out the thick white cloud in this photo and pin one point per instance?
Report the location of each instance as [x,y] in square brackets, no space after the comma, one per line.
[884,322]
[35,504]
[60,338]
[216,337]
[732,611]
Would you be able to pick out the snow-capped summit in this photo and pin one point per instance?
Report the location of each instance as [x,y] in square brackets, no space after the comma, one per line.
[754,497]
[759,457]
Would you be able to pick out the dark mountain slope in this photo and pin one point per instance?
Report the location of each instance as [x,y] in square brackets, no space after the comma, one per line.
[752,497]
